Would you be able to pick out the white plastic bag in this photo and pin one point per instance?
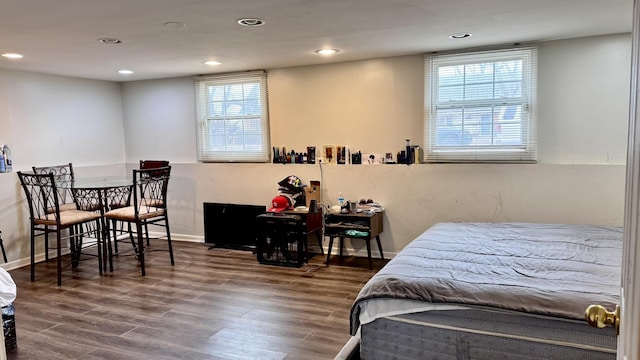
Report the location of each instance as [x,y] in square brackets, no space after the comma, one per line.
[7,288]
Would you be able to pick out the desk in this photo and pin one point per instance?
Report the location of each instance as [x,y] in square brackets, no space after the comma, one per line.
[369,225]
[107,193]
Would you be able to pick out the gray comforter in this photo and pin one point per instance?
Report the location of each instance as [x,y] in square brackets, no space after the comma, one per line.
[547,269]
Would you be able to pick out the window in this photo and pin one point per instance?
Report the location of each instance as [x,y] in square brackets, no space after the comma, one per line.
[479,107]
[232,120]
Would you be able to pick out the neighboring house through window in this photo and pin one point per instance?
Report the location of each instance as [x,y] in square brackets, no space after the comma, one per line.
[232,120]
[480,107]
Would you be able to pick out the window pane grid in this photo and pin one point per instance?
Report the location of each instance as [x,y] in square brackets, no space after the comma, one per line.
[233,118]
[479,105]
[474,126]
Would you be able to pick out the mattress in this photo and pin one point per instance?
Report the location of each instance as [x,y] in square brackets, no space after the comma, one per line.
[483,334]
[547,272]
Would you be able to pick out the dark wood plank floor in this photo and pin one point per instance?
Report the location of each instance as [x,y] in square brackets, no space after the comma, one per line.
[213,304]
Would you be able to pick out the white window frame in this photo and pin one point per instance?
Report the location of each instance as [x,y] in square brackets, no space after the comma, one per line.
[221,149]
[525,152]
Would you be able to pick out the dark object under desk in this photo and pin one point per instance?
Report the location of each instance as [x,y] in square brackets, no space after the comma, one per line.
[369,225]
[282,237]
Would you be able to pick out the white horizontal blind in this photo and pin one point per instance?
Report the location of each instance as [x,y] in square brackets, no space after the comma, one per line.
[232,117]
[480,107]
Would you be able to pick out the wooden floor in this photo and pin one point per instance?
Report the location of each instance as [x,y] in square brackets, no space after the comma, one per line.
[213,304]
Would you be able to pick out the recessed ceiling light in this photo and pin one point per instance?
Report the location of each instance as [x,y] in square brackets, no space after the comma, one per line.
[12,56]
[110,41]
[460,36]
[125,72]
[212,62]
[174,24]
[250,22]
[327,51]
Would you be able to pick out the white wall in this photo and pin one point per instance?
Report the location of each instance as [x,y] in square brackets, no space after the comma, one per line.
[583,92]
[50,120]
[162,122]
[415,196]
[373,106]
[369,105]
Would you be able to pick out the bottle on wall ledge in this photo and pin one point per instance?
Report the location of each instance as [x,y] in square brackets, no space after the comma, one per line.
[3,167]
[7,158]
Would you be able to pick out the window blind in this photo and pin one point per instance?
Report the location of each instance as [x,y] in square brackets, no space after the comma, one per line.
[480,107]
[232,121]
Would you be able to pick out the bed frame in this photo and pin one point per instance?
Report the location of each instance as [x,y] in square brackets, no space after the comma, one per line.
[466,321]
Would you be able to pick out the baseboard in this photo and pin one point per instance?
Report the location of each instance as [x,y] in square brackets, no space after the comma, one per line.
[52,254]
[26,262]
[178,237]
[197,239]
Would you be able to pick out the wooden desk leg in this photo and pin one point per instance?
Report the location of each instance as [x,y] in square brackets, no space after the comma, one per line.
[368,241]
[329,250]
[379,247]
[341,245]
[303,257]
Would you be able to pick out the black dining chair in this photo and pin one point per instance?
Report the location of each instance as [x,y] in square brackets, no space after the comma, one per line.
[45,216]
[63,175]
[147,207]
[152,164]
[119,201]
[116,198]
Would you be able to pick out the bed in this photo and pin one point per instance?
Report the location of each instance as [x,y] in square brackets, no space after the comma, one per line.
[492,291]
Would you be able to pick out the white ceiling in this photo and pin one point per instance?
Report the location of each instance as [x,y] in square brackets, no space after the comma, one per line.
[60,36]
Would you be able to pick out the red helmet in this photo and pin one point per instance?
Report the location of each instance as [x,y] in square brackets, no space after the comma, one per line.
[280,203]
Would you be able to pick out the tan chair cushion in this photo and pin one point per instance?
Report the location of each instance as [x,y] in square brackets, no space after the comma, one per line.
[129,213]
[68,218]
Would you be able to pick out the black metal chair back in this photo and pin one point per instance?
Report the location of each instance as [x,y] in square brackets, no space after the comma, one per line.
[63,176]
[42,197]
[150,190]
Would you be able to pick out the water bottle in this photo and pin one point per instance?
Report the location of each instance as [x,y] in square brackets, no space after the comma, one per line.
[3,167]
[7,158]
[340,199]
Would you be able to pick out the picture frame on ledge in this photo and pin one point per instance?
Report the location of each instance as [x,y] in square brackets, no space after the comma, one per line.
[373,159]
[329,153]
